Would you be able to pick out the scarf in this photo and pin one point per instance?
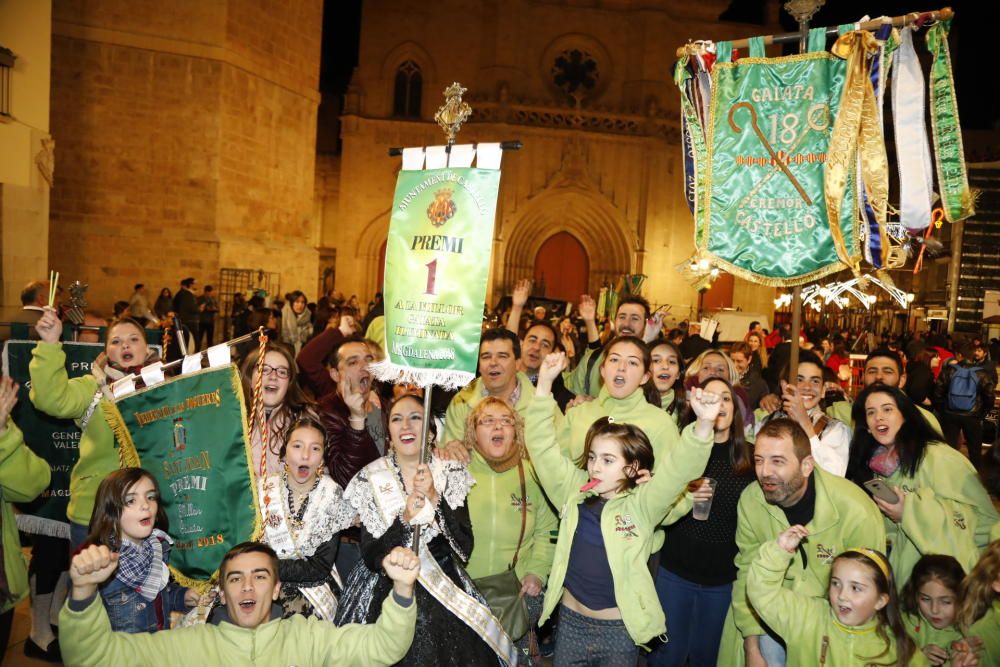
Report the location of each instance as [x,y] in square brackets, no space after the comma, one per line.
[884,461]
[142,567]
[501,463]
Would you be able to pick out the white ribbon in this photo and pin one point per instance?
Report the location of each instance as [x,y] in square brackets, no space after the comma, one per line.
[489,156]
[461,156]
[219,355]
[191,363]
[123,387]
[413,159]
[152,374]
[437,157]
[913,153]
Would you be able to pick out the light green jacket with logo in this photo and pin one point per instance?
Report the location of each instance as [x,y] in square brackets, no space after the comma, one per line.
[844,518]
[947,511]
[495,511]
[629,521]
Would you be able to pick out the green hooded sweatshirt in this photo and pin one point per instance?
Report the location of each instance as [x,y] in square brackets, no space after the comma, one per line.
[629,521]
[495,512]
[812,633]
[844,518]
[87,639]
[842,410]
[467,399]
[23,475]
[988,629]
[947,511]
[925,634]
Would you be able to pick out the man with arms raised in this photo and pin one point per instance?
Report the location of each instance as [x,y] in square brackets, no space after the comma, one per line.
[251,631]
[791,489]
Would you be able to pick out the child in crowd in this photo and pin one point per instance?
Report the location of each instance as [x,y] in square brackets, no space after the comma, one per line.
[859,623]
[930,606]
[980,614]
[129,520]
[599,576]
[668,374]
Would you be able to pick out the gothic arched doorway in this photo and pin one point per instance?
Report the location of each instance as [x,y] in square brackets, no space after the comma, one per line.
[561,268]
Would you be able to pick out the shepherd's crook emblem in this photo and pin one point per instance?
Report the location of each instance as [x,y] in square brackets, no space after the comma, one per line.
[760,135]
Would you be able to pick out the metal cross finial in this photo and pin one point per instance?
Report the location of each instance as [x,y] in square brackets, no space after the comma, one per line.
[454,112]
[803,10]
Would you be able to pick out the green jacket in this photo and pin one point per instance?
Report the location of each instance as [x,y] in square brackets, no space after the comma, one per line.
[808,623]
[924,634]
[845,517]
[988,629]
[87,639]
[947,511]
[23,475]
[586,379]
[495,511]
[54,393]
[659,427]
[842,410]
[628,523]
[467,399]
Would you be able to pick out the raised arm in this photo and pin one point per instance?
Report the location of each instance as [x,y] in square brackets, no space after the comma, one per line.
[520,297]
[52,391]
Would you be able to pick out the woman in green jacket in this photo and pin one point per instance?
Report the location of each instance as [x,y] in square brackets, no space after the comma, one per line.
[507,485]
[668,376]
[83,399]
[980,614]
[858,624]
[23,475]
[940,506]
[599,575]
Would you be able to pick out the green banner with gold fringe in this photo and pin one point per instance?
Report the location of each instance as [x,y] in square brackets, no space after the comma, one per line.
[190,433]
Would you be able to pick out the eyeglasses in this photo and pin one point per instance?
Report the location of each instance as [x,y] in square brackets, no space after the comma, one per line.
[490,422]
[281,371]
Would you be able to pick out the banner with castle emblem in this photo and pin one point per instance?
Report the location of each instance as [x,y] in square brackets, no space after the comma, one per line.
[437,261]
[770,128]
[190,433]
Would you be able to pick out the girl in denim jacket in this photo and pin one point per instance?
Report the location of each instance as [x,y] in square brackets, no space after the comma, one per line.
[128,519]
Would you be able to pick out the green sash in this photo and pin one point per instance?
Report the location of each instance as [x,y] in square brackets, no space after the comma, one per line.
[190,433]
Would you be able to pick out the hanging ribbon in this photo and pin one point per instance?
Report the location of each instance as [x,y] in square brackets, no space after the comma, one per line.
[856,129]
[953,182]
[877,242]
[695,150]
[913,153]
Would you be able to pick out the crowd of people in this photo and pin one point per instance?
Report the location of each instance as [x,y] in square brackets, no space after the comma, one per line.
[593,496]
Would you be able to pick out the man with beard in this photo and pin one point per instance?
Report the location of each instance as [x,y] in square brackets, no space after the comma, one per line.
[791,490]
[499,351]
[631,319]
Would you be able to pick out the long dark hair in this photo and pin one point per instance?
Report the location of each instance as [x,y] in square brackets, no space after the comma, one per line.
[933,567]
[105,523]
[740,451]
[679,404]
[911,441]
[890,620]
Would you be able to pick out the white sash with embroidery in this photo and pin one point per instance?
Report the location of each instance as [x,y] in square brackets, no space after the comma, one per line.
[279,537]
[390,499]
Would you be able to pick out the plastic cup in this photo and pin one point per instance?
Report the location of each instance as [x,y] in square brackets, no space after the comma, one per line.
[701,508]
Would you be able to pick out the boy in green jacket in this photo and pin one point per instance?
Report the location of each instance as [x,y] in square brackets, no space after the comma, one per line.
[838,514]
[251,632]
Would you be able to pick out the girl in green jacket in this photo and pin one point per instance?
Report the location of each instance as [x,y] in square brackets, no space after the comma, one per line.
[930,606]
[599,574]
[668,376]
[858,624]
[980,614]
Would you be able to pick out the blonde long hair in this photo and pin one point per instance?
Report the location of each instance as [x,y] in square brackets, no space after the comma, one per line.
[473,418]
[977,587]
[762,350]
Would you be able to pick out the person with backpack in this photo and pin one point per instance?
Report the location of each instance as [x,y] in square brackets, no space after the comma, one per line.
[963,396]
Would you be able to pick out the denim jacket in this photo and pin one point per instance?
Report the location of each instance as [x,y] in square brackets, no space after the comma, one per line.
[129,612]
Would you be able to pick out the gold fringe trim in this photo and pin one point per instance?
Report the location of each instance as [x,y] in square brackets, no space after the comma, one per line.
[128,457]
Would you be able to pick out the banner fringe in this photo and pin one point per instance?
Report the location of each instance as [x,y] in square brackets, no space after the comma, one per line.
[40,525]
[128,457]
[386,371]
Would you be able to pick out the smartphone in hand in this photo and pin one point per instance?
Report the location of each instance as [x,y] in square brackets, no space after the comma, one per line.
[880,489]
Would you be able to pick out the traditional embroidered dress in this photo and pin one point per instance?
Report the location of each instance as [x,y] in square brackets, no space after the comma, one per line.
[306,539]
[454,625]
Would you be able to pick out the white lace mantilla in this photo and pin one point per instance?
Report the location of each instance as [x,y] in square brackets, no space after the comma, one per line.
[327,513]
[452,480]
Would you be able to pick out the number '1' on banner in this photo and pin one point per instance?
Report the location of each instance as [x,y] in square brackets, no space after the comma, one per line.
[437,262]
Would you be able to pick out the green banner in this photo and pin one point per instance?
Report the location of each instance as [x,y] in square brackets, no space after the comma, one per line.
[437,261]
[55,440]
[771,122]
[190,432]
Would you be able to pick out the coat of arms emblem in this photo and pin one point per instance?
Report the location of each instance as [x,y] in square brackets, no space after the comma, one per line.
[442,208]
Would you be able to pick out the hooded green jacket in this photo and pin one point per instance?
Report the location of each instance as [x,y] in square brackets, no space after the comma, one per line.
[629,521]
[495,511]
[55,394]
[947,511]
[23,475]
[925,634]
[86,639]
[808,624]
[842,410]
[844,518]
[987,628]
[467,399]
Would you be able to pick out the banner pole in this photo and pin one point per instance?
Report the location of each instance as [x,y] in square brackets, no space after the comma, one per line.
[424,452]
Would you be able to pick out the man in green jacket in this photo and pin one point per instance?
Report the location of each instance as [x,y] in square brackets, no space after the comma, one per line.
[791,489]
[499,351]
[251,631]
